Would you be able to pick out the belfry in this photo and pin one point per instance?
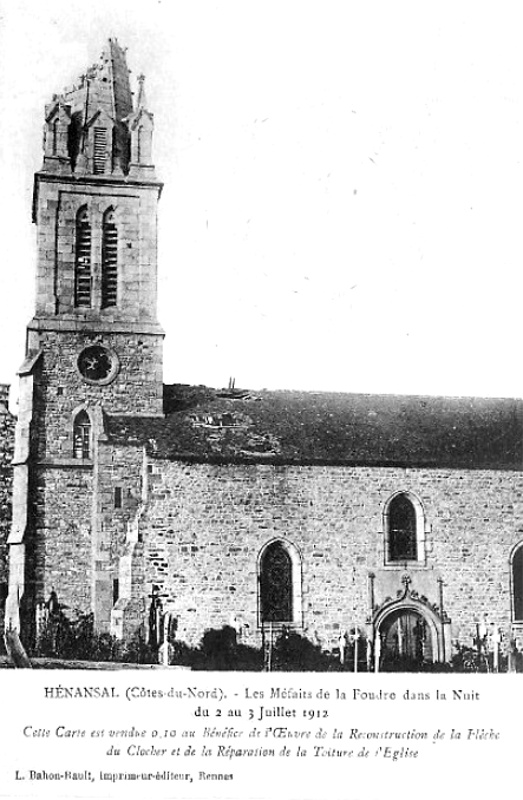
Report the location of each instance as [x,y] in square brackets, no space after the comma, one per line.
[94,346]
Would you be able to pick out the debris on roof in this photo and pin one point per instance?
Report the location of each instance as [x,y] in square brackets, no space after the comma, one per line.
[201,424]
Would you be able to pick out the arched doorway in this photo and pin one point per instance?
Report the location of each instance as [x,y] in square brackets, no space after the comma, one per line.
[406,641]
[410,633]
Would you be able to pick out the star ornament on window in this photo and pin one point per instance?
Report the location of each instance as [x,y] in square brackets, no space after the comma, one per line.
[91,364]
[97,364]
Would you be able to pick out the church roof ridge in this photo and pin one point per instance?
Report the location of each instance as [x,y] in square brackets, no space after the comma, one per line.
[344,393]
[286,426]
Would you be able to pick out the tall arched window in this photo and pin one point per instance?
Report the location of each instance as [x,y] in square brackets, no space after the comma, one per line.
[517,584]
[109,260]
[276,590]
[82,435]
[401,530]
[82,272]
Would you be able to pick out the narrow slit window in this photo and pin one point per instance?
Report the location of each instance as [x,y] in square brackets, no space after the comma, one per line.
[82,436]
[55,137]
[117,496]
[82,282]
[100,148]
[140,145]
[109,261]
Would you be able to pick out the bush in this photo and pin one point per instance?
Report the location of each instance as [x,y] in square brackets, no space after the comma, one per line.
[75,639]
[468,659]
[61,637]
[399,663]
[220,650]
[136,651]
[292,652]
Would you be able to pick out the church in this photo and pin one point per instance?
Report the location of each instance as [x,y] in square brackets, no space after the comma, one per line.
[400,517]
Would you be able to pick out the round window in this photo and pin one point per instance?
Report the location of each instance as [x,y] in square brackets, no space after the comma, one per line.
[97,364]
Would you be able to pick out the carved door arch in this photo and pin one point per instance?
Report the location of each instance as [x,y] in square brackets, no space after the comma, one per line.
[410,632]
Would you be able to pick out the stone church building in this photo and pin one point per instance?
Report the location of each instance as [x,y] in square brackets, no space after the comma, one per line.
[318,512]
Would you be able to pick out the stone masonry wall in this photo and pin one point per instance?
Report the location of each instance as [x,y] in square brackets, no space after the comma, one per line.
[135,216]
[205,526]
[61,547]
[7,426]
[61,389]
[119,495]
[67,502]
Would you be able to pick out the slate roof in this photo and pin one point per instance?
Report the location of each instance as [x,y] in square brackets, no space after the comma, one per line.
[290,427]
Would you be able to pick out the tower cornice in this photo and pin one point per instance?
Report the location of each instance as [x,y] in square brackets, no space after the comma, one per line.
[95,327]
[124,181]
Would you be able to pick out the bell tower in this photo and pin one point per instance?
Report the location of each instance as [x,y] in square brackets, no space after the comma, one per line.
[95,207]
[94,345]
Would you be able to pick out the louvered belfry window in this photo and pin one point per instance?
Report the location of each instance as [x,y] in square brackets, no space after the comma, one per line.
[82,276]
[82,436]
[100,148]
[109,260]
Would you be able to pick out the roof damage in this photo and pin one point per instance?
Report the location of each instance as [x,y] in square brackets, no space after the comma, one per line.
[203,424]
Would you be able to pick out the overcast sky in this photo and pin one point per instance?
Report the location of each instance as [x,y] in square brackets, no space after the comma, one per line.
[343,197]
